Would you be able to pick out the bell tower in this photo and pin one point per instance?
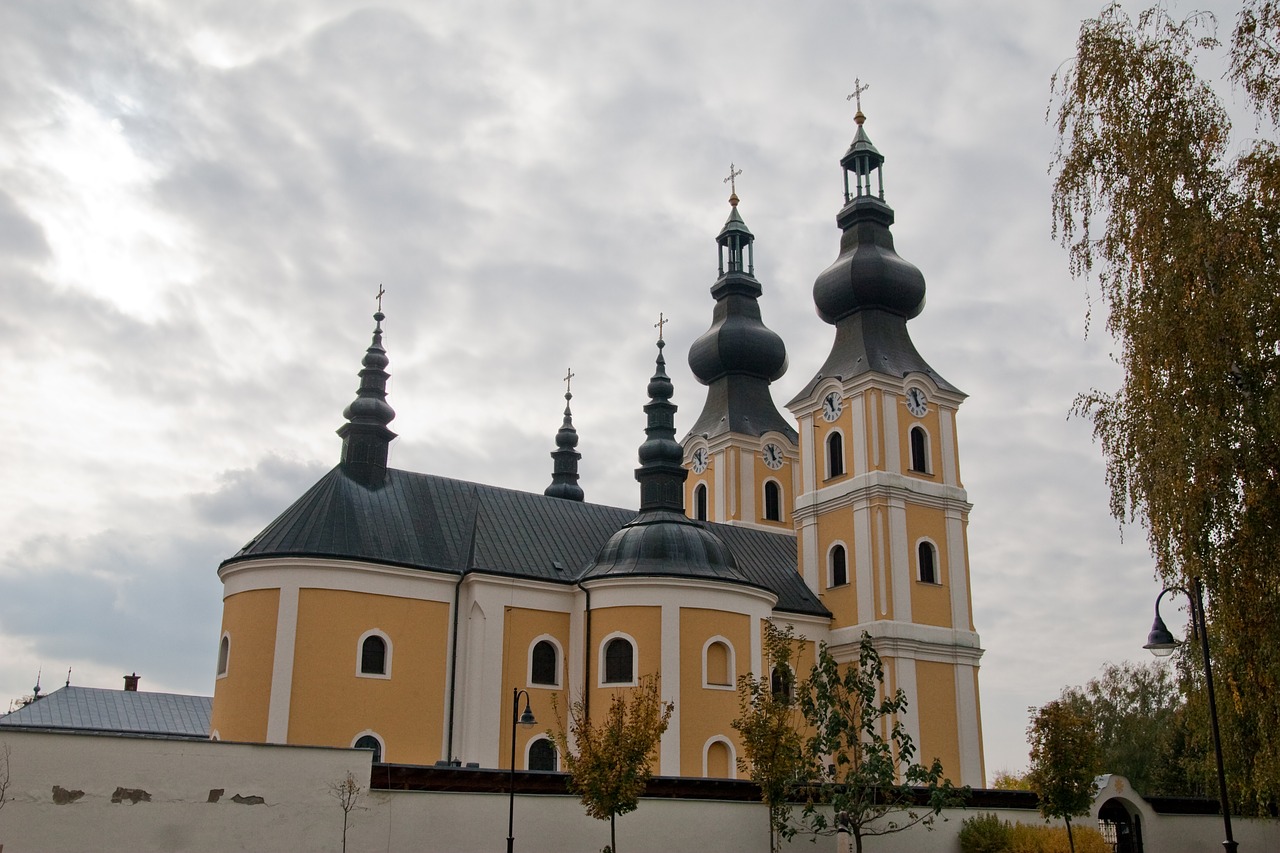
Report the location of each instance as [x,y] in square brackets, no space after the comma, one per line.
[881,513]
[742,451]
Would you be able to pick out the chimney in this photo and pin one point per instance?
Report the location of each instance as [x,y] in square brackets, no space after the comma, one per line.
[131,683]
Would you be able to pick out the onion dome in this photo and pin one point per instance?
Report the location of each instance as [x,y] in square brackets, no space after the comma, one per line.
[661,540]
[739,355]
[365,436]
[564,475]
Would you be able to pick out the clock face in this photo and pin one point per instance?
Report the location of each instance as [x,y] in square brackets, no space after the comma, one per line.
[772,456]
[832,406]
[916,402]
[700,459]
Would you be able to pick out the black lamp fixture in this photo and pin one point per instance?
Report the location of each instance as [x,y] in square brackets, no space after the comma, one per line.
[526,719]
[1161,643]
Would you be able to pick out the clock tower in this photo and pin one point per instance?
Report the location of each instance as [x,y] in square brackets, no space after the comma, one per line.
[742,451]
[880,510]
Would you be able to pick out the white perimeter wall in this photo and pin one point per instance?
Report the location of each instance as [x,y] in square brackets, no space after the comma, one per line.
[298,812]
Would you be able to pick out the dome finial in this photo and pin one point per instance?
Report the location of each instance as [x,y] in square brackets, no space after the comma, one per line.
[661,472]
[564,475]
[858,88]
[733,184]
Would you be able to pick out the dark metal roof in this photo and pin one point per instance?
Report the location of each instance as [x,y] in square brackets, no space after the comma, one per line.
[94,709]
[423,521]
[665,543]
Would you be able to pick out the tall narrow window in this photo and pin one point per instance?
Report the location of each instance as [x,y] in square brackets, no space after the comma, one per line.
[370,742]
[839,566]
[835,455]
[928,563]
[718,760]
[772,502]
[373,655]
[224,654]
[717,665]
[919,450]
[619,661]
[545,666]
[782,684]
[542,754]
[700,502]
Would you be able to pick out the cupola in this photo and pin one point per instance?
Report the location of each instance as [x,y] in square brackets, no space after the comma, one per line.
[365,435]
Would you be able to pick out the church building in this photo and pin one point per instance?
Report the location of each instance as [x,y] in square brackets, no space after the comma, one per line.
[401,611]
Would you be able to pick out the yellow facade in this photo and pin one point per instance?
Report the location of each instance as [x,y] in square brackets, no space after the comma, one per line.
[707,709]
[939,730]
[523,627]
[241,697]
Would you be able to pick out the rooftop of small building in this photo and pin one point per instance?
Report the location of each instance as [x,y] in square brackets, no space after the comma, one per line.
[96,709]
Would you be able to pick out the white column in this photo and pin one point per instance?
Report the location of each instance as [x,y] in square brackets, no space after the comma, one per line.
[892,447]
[669,749]
[899,560]
[957,571]
[282,665]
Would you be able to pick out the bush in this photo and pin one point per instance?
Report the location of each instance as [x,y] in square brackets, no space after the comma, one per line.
[985,833]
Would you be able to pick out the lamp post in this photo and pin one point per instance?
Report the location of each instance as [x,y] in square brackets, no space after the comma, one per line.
[1161,643]
[526,719]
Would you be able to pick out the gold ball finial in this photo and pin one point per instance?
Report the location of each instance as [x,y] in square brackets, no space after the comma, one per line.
[859,118]
[733,200]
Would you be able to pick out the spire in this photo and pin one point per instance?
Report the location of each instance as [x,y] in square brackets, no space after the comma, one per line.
[738,356]
[661,473]
[365,436]
[564,475]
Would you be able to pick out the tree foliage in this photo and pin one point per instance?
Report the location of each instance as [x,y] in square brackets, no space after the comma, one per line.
[769,724]
[1064,761]
[860,754]
[1179,225]
[609,760]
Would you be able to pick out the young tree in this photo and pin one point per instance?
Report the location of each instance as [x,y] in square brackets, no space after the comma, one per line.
[769,723]
[860,755]
[609,761]
[347,791]
[1064,762]
[1180,225]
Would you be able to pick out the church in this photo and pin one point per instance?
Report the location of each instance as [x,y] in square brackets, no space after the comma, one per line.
[401,611]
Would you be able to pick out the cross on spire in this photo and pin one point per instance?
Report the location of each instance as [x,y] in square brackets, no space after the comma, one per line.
[858,88]
[731,180]
[381,291]
[568,379]
[662,321]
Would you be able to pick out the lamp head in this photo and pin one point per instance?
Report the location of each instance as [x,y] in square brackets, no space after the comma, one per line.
[1160,642]
[527,719]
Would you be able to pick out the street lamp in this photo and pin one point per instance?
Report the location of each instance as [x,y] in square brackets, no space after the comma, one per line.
[526,719]
[1161,643]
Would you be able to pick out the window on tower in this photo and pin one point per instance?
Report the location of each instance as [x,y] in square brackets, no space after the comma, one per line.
[927,559]
[700,502]
[772,501]
[375,655]
[224,654]
[919,450]
[835,455]
[839,566]
[717,664]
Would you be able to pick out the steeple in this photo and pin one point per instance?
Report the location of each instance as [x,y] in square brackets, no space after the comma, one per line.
[661,474]
[365,436]
[738,356]
[564,476]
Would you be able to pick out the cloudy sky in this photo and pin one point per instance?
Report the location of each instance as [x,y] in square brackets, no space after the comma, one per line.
[198,202]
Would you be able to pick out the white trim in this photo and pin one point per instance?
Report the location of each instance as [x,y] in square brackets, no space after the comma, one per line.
[947,442]
[224,661]
[892,445]
[958,571]
[382,744]
[669,648]
[969,725]
[731,664]
[733,756]
[899,559]
[282,664]
[937,561]
[528,748]
[559,680]
[386,660]
[831,569]
[864,564]
[635,659]
[215,735]
[764,500]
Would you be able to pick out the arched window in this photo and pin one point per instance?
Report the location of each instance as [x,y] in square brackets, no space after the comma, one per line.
[370,741]
[717,663]
[544,664]
[772,501]
[782,684]
[919,450]
[928,562]
[717,759]
[835,455]
[619,661]
[700,502]
[224,654]
[839,566]
[375,655]
[542,754]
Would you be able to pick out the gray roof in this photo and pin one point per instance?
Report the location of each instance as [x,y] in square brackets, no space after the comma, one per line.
[93,709]
[422,521]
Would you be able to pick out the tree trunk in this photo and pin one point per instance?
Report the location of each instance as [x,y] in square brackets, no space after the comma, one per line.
[613,835]
[1070,839]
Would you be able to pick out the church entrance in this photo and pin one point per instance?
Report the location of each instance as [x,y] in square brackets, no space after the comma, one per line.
[1121,828]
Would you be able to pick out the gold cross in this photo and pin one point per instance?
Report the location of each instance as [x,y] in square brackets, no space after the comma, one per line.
[568,379]
[380,292]
[662,321]
[733,173]
[858,88]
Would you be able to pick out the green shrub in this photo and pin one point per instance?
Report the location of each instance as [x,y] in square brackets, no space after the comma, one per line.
[984,833]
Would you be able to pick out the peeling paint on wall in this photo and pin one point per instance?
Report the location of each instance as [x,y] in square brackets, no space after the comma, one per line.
[133,795]
[61,796]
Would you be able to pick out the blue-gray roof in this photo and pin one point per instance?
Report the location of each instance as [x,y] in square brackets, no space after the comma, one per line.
[423,521]
[93,709]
